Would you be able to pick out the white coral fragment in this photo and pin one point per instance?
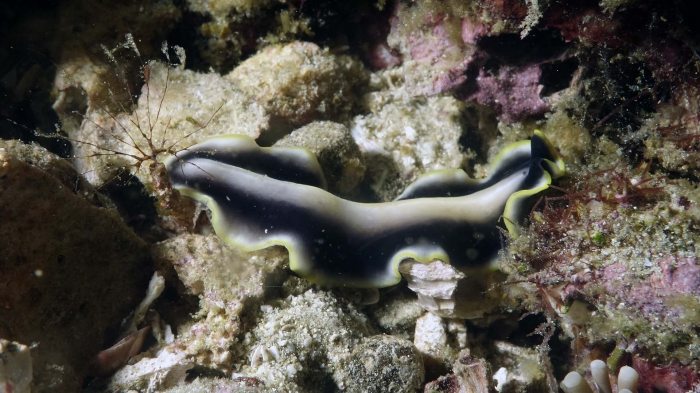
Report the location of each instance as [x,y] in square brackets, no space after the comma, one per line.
[262,355]
[166,370]
[15,366]
[435,283]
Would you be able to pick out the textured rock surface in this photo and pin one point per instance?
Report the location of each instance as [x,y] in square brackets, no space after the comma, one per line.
[381,364]
[300,342]
[403,137]
[516,369]
[166,370]
[470,375]
[431,341]
[396,314]
[230,284]
[300,82]
[51,238]
[220,385]
[336,151]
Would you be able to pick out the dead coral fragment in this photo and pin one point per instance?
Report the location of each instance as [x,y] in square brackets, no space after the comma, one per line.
[230,285]
[302,341]
[167,369]
[444,290]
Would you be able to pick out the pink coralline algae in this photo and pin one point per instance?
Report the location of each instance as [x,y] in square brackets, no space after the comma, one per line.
[514,92]
[381,57]
[448,80]
[456,75]
[670,378]
[433,47]
[677,276]
[681,275]
[472,31]
[441,51]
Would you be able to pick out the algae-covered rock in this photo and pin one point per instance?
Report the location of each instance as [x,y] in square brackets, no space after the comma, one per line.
[300,82]
[381,364]
[403,137]
[220,385]
[221,8]
[569,137]
[300,341]
[69,270]
[397,313]
[56,167]
[229,29]
[65,29]
[672,139]
[628,250]
[336,151]
[230,283]
[435,55]
[516,369]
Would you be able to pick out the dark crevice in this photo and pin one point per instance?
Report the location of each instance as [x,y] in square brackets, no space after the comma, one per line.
[556,76]
[26,113]
[132,201]
[186,35]
[539,46]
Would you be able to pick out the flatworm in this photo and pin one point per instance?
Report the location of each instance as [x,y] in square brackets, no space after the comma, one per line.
[260,197]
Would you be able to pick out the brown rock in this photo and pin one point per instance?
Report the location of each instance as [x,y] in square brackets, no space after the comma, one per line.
[68,270]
